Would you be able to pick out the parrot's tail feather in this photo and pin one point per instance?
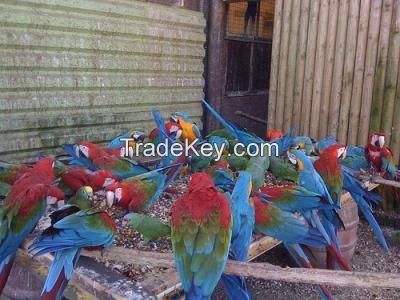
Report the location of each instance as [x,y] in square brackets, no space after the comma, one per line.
[235,287]
[302,260]
[57,290]
[196,294]
[332,250]
[6,267]
[366,210]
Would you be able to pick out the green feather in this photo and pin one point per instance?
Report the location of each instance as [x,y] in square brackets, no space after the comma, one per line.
[150,227]
[282,169]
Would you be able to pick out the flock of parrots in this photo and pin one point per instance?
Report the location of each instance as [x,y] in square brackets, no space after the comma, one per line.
[225,202]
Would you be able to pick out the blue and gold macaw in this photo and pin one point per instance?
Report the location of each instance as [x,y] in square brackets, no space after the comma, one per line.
[243,217]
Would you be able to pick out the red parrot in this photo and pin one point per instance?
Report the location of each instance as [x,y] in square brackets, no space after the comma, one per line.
[24,206]
[77,177]
[381,159]
[273,134]
[201,235]
[330,170]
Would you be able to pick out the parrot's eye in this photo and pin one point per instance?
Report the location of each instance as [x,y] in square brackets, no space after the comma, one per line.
[341,153]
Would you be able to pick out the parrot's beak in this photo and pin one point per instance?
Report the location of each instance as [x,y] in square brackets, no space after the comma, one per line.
[381,140]
[51,200]
[60,203]
[110,198]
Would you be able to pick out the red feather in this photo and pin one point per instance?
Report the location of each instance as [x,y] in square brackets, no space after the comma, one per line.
[201,200]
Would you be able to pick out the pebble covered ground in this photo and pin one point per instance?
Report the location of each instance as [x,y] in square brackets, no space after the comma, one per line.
[368,255]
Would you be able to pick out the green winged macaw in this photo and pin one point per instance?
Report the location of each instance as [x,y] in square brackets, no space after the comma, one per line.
[381,160]
[140,192]
[329,169]
[24,205]
[95,158]
[201,235]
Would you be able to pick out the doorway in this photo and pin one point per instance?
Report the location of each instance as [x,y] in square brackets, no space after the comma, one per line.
[246,58]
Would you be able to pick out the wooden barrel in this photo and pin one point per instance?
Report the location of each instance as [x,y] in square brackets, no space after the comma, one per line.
[347,238]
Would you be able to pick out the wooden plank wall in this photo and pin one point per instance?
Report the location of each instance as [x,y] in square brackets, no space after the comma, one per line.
[88,70]
[336,69]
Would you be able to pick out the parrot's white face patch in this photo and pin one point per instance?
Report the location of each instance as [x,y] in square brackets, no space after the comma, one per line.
[381,141]
[84,150]
[374,138]
[292,158]
[342,152]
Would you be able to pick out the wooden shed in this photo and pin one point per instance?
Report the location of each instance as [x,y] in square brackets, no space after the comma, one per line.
[334,67]
[88,70]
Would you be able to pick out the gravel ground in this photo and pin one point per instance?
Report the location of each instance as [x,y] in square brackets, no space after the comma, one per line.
[368,257]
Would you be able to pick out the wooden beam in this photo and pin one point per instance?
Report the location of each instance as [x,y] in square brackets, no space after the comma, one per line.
[264,270]
[359,67]
[216,56]
[369,73]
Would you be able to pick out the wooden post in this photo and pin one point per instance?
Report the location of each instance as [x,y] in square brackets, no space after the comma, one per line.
[380,71]
[369,73]
[216,56]
[280,105]
[359,68]
[392,72]
[276,44]
[264,270]
[348,72]
[328,68]
[291,69]
[300,64]
[336,91]
[319,68]
[309,68]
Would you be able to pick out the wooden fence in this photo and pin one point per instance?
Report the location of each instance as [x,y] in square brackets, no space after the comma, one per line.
[335,69]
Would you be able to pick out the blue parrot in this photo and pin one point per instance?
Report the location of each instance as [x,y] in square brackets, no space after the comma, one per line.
[364,200]
[327,220]
[243,223]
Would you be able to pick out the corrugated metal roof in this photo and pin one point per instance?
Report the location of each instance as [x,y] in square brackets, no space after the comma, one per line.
[87,70]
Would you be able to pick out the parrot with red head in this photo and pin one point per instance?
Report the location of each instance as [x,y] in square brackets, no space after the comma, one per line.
[330,170]
[96,158]
[380,158]
[23,207]
[201,230]
[273,134]
[140,192]
[326,219]
[74,178]
[71,230]
[291,230]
